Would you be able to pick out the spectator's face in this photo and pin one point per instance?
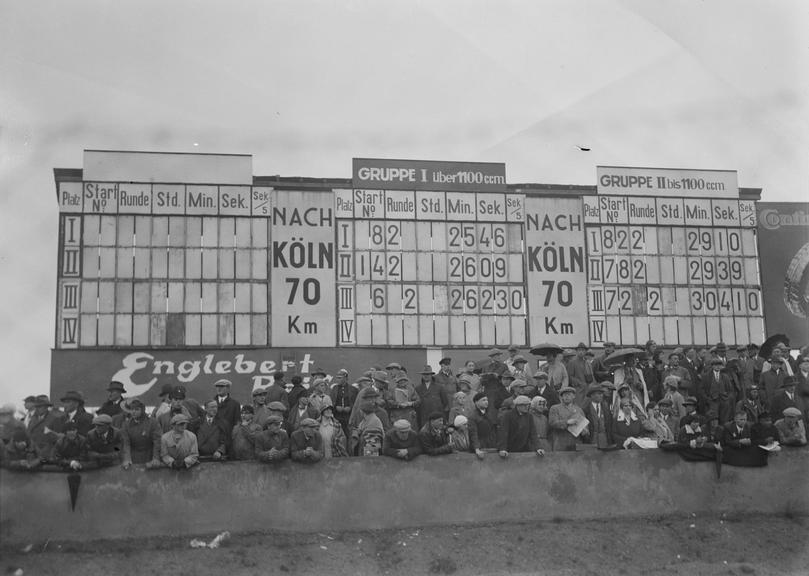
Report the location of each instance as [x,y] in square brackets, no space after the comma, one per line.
[114,395]
[804,366]
[137,412]
[71,434]
[559,357]
[70,405]
[691,354]
[777,355]
[41,410]
[470,366]
[740,420]
[179,427]
[21,445]
[753,393]
[674,360]
[483,403]
[176,403]
[28,406]
[597,397]
[609,350]
[542,404]
[303,402]
[222,390]
[437,423]
[274,427]
[665,409]
[791,420]
[260,399]
[402,434]
[211,409]
[327,414]
[522,408]
[247,417]
[568,397]
[690,408]
[626,406]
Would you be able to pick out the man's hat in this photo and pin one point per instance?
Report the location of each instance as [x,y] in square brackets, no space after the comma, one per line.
[445,360]
[318,372]
[789,381]
[274,419]
[519,358]
[402,378]
[721,347]
[581,345]
[676,352]
[179,419]
[343,371]
[495,352]
[309,422]
[690,401]
[672,380]
[752,346]
[609,344]
[317,382]
[460,420]
[753,387]
[507,376]
[402,425]
[427,370]
[42,400]
[478,396]
[30,399]
[381,376]
[522,400]
[115,385]
[278,374]
[326,406]
[223,383]
[568,352]
[541,376]
[436,415]
[716,361]
[567,389]
[665,402]
[73,395]
[178,393]
[259,391]
[370,393]
[276,405]
[103,419]
[393,366]
[741,348]
[513,348]
[132,403]
[518,383]
[792,411]
[165,390]
[247,409]
[593,388]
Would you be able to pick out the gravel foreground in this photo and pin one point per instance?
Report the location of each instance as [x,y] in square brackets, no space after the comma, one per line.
[728,544]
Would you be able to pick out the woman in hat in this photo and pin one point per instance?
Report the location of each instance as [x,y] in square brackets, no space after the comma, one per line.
[140,437]
[562,418]
[630,374]
[626,391]
[368,436]
[460,406]
[557,372]
[334,441]
[402,401]
[459,434]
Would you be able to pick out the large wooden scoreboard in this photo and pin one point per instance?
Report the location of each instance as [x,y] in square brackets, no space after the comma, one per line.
[185,252]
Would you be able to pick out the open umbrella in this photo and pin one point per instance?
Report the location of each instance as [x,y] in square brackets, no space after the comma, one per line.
[621,355]
[766,348]
[546,350]
[73,481]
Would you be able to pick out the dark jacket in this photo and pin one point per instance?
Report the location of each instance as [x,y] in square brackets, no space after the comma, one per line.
[434,442]
[485,427]
[299,442]
[433,399]
[229,414]
[243,440]
[44,432]
[105,449]
[83,420]
[211,437]
[606,414]
[272,447]
[392,443]
[141,440]
[67,450]
[517,432]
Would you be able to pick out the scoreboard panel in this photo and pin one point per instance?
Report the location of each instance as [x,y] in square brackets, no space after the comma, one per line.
[415,254]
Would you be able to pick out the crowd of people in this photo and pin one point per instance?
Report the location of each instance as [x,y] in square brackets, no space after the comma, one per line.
[704,404]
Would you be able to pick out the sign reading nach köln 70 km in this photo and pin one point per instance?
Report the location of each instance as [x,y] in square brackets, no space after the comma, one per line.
[187,264]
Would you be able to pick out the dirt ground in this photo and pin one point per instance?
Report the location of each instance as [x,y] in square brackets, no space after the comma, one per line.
[667,545]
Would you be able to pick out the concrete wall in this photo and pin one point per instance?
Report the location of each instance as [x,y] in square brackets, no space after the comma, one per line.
[364,493]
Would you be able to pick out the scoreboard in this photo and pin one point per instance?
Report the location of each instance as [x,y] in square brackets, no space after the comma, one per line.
[167,251]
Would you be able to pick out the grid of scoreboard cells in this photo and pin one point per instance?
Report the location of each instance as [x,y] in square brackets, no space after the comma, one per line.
[430,282]
[692,283]
[148,280]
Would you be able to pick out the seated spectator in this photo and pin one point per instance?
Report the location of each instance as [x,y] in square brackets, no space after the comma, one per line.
[20,453]
[661,431]
[243,435]
[272,445]
[737,443]
[764,432]
[334,441]
[75,412]
[517,432]
[791,430]
[695,441]
[45,426]
[459,434]
[401,441]
[301,412]
[178,446]
[434,437]
[630,423]
[140,438]
[306,444]
[211,435]
[104,443]
[539,412]
[71,449]
[562,418]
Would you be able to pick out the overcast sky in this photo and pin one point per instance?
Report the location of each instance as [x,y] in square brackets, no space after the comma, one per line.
[306,86]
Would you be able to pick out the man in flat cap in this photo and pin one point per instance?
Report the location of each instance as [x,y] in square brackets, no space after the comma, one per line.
[401,441]
[343,395]
[434,436]
[791,430]
[104,442]
[496,364]
[485,424]
[319,394]
[581,370]
[562,418]
[140,438]
[260,410]
[433,396]
[70,451]
[228,410]
[178,446]
[272,445]
[243,435]
[277,391]
[177,406]
[602,372]
[520,370]
[73,401]
[296,391]
[675,368]
[597,412]
[445,378]
[367,428]
[299,413]
[517,431]
[20,452]
[718,387]
[402,401]
[212,437]
[306,443]
[45,426]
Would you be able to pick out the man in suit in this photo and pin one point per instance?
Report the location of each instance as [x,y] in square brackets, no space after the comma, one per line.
[546,390]
[737,444]
[45,426]
[73,402]
[601,371]
[598,414]
[786,397]
[212,436]
[485,424]
[719,391]
[228,410]
[445,378]
[433,396]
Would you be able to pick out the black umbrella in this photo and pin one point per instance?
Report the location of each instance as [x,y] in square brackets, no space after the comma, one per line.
[546,350]
[620,356]
[767,347]
[73,481]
